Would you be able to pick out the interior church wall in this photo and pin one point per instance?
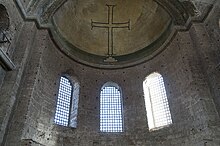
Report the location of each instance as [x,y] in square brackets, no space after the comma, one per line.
[13,79]
[192,108]
[15,24]
[188,66]
[208,46]
[2,75]
[10,80]
[26,89]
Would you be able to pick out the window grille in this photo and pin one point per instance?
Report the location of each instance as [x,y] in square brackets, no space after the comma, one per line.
[63,102]
[156,102]
[110,110]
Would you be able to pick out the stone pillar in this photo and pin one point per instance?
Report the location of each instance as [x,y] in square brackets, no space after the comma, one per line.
[24,121]
[207,50]
[12,79]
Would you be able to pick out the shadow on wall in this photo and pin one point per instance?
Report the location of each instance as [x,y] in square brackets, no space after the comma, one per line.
[4,18]
[4,27]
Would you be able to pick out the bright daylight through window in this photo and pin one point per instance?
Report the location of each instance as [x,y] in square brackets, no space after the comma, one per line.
[111,110]
[158,112]
[63,102]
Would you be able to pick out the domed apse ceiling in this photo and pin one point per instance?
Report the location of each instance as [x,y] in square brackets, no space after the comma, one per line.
[110,34]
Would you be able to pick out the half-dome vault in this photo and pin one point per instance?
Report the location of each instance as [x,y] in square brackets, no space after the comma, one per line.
[106,34]
[110,33]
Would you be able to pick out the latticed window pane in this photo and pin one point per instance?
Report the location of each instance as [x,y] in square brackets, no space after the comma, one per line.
[63,102]
[157,107]
[110,110]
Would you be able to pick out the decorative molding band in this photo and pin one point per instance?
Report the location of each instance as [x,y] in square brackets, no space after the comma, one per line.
[183,13]
[175,9]
[40,14]
[50,10]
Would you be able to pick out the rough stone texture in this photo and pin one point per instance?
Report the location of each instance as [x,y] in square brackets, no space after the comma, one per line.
[2,75]
[15,24]
[209,45]
[4,18]
[11,79]
[188,93]
[189,66]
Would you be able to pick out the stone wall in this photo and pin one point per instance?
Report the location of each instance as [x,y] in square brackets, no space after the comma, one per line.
[208,46]
[13,79]
[10,80]
[4,18]
[2,75]
[188,66]
[191,104]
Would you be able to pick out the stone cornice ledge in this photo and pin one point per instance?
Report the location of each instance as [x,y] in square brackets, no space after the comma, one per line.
[177,10]
[27,17]
[43,19]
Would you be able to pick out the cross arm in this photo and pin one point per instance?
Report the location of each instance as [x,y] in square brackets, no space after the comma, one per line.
[99,24]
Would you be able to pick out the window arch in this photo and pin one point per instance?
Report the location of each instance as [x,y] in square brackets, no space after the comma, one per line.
[111,118]
[157,107]
[67,103]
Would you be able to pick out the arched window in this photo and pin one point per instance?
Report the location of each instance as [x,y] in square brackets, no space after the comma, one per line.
[67,103]
[111,119]
[158,112]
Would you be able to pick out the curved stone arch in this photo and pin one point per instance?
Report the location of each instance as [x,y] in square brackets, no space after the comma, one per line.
[176,11]
[4,18]
[182,13]
[50,10]
[112,84]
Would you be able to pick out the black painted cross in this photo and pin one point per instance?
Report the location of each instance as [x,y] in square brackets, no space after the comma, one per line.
[110,25]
